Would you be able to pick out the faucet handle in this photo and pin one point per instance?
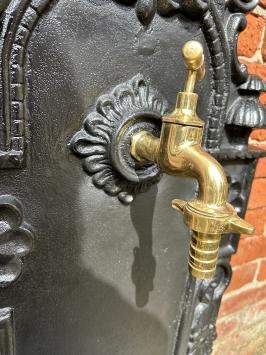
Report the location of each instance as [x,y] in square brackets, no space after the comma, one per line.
[186,104]
[194,58]
[239,225]
[203,218]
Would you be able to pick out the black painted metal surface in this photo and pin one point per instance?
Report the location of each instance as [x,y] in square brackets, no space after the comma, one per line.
[100,277]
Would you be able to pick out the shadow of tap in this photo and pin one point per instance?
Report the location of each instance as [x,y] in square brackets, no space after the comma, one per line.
[144,265]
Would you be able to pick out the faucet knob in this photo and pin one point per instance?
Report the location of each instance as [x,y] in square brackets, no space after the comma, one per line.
[194,58]
[239,225]
[186,104]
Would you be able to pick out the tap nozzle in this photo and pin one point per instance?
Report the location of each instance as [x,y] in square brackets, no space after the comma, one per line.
[208,223]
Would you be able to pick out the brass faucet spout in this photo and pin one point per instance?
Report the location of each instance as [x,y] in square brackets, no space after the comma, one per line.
[213,187]
[185,160]
[178,151]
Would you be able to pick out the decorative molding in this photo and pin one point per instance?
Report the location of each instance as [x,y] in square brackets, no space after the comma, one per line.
[18,22]
[213,30]
[236,23]
[111,165]
[246,110]
[7,331]
[16,239]
[209,294]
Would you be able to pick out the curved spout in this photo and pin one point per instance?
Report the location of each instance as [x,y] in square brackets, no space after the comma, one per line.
[213,186]
[187,159]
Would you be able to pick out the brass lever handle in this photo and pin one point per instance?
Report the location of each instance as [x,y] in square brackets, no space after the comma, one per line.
[194,59]
[178,151]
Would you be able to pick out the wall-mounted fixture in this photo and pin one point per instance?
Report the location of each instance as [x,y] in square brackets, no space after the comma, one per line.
[178,151]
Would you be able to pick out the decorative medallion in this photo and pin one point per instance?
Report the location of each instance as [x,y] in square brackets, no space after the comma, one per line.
[16,239]
[130,107]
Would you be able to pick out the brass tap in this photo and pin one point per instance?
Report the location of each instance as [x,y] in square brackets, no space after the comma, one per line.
[178,151]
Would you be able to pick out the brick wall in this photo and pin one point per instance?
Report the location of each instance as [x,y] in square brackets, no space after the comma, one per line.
[241,323]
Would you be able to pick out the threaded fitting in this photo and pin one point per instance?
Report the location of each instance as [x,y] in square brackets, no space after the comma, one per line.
[204,249]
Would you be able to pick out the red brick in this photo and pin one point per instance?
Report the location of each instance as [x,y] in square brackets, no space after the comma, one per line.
[238,302]
[257,139]
[249,249]
[261,146]
[258,135]
[250,38]
[257,197]
[257,218]
[263,98]
[261,169]
[242,275]
[262,271]
[226,326]
[256,313]
[263,3]
[263,48]
[258,146]
[256,69]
